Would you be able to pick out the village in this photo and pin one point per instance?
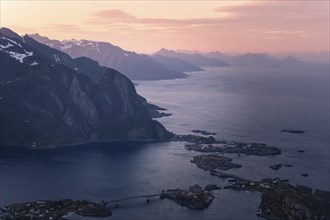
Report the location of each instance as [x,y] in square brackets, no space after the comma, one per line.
[53,209]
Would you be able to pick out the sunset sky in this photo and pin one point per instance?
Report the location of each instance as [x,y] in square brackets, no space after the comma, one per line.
[147,26]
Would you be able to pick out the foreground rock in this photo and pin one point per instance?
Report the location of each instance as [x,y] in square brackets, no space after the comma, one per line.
[289,202]
[214,161]
[281,200]
[194,198]
[53,209]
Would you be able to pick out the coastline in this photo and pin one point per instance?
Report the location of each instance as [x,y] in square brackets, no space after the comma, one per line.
[87,142]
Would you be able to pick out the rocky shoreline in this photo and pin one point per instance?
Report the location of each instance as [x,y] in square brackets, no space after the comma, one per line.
[53,209]
[211,145]
[295,202]
[280,200]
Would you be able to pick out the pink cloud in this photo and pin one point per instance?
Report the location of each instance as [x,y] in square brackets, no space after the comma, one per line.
[257,26]
[110,17]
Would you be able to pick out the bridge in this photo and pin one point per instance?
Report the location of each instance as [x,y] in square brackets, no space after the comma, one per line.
[131,198]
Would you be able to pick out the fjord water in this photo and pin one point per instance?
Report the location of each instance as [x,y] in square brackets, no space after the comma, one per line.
[240,103]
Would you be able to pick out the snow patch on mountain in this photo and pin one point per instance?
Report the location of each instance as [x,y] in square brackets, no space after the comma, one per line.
[66,46]
[74,41]
[34,63]
[19,56]
[14,49]
[12,41]
[6,46]
[57,59]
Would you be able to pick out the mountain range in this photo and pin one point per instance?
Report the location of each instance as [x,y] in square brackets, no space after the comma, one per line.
[134,66]
[251,59]
[48,98]
[193,58]
[213,58]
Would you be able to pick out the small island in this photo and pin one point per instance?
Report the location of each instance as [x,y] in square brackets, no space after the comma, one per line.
[281,200]
[293,131]
[258,149]
[214,161]
[278,166]
[203,132]
[196,139]
[210,144]
[194,198]
[53,209]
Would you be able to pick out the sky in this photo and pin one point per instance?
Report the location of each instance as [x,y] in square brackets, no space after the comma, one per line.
[146,26]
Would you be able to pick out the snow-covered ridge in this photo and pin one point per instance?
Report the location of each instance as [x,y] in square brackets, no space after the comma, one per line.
[74,41]
[12,41]
[23,53]
[67,44]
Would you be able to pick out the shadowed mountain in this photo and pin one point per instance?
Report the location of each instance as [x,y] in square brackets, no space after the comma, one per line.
[195,58]
[176,64]
[134,66]
[46,102]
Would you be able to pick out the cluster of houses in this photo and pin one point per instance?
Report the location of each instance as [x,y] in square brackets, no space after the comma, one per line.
[196,197]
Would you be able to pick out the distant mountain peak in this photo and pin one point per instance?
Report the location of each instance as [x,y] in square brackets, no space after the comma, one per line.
[289,59]
[165,50]
[9,33]
[135,66]
[193,58]
[257,54]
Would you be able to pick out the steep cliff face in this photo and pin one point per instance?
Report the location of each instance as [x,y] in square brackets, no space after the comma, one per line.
[47,103]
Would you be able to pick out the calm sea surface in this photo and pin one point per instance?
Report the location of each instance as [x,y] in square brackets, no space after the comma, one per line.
[248,104]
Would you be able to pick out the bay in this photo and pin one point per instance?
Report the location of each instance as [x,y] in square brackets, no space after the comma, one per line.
[239,103]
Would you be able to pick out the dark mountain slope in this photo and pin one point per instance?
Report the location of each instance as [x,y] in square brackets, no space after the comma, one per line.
[47,103]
